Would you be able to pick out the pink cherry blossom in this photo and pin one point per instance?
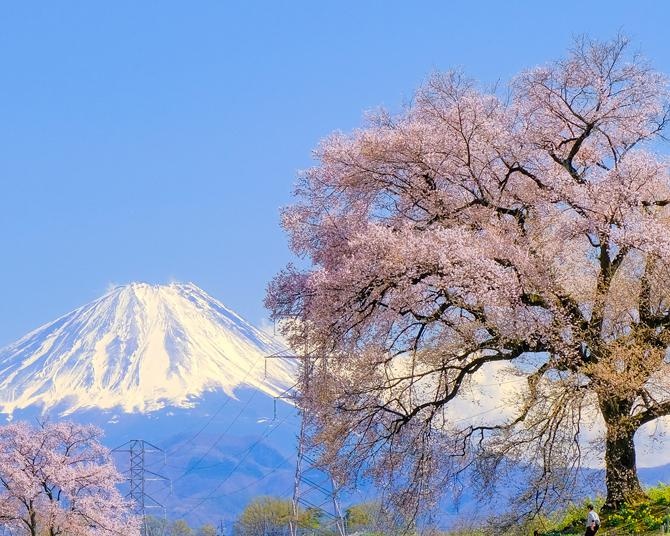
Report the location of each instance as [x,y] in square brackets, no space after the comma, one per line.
[57,479]
[473,229]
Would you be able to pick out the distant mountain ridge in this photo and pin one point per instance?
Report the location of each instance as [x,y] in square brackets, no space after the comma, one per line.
[139,348]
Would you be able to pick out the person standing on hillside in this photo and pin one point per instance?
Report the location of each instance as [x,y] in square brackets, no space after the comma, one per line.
[592,522]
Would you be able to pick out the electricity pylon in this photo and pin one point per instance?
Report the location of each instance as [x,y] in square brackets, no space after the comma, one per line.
[314,488]
[137,475]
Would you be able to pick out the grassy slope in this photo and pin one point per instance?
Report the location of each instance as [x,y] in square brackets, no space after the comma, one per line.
[642,518]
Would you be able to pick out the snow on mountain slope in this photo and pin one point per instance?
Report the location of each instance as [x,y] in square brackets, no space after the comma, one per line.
[139,348]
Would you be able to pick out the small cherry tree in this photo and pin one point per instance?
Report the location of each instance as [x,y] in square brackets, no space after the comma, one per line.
[476,231]
[57,479]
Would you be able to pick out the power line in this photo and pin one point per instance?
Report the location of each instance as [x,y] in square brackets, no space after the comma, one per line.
[191,468]
[256,481]
[219,438]
[239,463]
[216,413]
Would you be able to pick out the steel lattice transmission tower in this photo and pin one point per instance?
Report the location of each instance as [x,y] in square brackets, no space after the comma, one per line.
[137,475]
[314,488]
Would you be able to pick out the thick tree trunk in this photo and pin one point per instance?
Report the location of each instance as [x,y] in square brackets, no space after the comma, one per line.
[623,485]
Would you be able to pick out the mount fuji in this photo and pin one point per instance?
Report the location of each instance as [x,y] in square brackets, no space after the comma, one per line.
[173,366]
[139,348]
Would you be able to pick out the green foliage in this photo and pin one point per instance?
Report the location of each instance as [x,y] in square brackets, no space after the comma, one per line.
[660,494]
[271,516]
[179,528]
[156,526]
[310,518]
[361,516]
[644,517]
[207,530]
[572,520]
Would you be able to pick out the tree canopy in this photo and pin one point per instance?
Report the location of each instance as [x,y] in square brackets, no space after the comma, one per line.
[271,516]
[57,479]
[525,229]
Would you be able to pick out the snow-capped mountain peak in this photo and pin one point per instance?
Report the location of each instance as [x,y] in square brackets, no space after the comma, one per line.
[139,347]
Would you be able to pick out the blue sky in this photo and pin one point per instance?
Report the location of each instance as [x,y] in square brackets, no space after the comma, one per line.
[156,140]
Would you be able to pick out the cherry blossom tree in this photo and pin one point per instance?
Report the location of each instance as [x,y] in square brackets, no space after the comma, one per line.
[529,233]
[57,479]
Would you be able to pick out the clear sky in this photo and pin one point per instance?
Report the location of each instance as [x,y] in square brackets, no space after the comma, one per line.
[156,140]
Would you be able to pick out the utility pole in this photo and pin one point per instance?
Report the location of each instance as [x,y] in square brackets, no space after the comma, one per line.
[137,475]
